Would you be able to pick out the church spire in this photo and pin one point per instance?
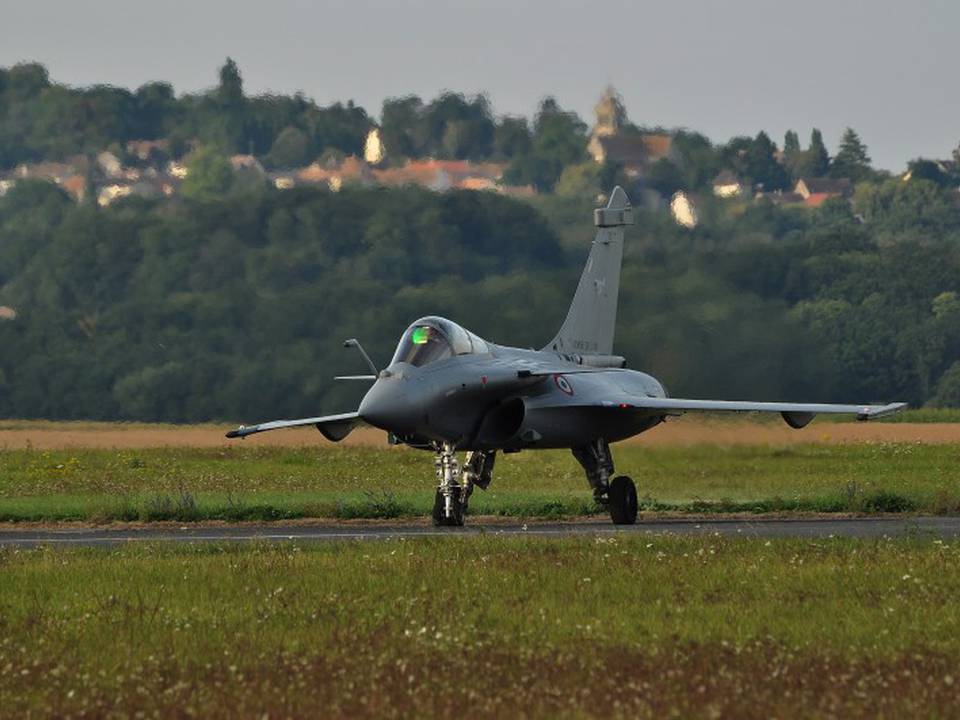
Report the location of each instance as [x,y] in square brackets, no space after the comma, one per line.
[610,113]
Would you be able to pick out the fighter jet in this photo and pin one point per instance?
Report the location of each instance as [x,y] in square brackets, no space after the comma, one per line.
[447,390]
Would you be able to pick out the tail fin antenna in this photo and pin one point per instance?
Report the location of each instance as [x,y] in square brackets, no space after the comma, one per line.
[592,317]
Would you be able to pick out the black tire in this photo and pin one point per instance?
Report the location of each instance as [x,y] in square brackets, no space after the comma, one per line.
[439,519]
[623,501]
[438,509]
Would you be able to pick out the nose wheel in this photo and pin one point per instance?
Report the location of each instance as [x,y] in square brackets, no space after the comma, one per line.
[449,501]
[447,515]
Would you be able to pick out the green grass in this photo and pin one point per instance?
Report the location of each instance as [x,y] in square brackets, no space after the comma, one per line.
[275,483]
[646,626]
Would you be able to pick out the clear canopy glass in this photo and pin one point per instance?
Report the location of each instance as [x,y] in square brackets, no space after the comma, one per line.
[432,338]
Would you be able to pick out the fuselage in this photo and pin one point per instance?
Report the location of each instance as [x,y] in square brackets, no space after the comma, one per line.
[481,399]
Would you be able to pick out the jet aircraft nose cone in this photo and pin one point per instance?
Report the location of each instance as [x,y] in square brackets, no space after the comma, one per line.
[388,407]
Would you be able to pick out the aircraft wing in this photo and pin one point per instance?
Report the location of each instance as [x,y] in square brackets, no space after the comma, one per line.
[796,414]
[333,427]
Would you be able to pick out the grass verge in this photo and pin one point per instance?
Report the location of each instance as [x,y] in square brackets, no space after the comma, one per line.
[264,483]
[627,626]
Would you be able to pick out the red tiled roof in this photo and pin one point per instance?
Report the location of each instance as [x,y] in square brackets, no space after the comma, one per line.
[427,172]
[76,186]
[658,146]
[832,186]
[817,199]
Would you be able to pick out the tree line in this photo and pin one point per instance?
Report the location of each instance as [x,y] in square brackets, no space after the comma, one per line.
[44,120]
[234,307]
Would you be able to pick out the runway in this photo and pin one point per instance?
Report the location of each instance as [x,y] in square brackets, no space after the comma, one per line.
[942,527]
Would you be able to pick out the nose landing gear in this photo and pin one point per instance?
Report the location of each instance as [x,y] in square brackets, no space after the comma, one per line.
[448,502]
[455,486]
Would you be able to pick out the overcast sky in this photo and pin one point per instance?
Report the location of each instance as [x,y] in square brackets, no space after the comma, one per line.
[888,68]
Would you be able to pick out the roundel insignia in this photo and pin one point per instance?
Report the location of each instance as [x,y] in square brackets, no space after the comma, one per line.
[563,384]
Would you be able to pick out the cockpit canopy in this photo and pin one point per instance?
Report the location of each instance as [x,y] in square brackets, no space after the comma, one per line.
[433,338]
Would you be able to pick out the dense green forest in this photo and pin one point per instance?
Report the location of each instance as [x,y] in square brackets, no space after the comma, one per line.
[235,307]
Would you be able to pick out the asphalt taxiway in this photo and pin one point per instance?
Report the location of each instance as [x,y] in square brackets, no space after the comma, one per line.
[942,527]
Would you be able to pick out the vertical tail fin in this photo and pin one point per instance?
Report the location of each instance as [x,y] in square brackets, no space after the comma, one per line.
[589,327]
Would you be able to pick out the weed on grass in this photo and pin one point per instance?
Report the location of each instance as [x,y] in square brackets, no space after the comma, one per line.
[374,504]
[182,506]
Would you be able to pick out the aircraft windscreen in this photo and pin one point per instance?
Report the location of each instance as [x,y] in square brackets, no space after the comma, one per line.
[422,345]
[431,339]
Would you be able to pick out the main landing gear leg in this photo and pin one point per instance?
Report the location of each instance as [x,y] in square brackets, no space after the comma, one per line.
[618,495]
[477,471]
[448,503]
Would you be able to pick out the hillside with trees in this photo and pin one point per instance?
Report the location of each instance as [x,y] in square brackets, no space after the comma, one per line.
[229,298]
[43,121]
[236,307]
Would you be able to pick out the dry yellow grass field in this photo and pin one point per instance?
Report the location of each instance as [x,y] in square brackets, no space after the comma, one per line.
[43,435]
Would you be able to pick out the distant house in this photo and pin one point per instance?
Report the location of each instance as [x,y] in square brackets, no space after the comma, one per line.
[148,150]
[312,174]
[148,188]
[635,152]
[110,165]
[436,175]
[728,185]
[684,209]
[246,162]
[7,313]
[6,186]
[76,187]
[351,170]
[71,176]
[478,183]
[442,175]
[108,193]
[613,139]
[55,171]
[778,197]
[374,150]
[283,180]
[177,170]
[816,191]
[248,170]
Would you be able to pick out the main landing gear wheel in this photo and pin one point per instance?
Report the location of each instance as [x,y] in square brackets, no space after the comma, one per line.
[623,501]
